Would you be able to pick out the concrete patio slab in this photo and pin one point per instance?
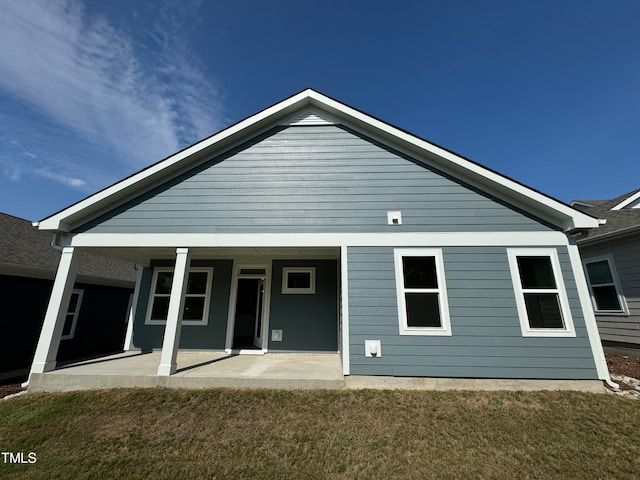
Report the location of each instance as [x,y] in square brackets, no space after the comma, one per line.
[197,370]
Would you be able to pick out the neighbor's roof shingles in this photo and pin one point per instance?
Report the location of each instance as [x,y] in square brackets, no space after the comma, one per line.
[618,221]
[23,246]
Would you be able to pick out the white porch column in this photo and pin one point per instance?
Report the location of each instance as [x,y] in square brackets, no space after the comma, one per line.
[47,350]
[168,360]
[128,339]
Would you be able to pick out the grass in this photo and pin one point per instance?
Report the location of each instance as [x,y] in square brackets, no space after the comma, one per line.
[365,434]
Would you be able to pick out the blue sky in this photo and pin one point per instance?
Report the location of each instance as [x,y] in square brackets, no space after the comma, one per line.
[545,92]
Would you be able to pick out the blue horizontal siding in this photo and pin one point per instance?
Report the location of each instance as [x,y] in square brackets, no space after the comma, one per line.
[486,339]
[320,178]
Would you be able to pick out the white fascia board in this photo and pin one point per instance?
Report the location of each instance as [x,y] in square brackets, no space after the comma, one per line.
[627,201]
[527,195]
[212,240]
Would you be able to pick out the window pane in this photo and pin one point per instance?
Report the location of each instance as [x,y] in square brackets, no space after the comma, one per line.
[197,283]
[422,310]
[299,280]
[419,272]
[543,310]
[536,272]
[599,272]
[193,308]
[68,323]
[73,303]
[160,308]
[606,298]
[163,284]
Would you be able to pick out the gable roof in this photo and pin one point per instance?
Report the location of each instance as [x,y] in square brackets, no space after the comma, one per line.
[26,251]
[621,219]
[310,106]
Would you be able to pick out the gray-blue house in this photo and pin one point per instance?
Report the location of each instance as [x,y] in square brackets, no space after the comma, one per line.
[314,227]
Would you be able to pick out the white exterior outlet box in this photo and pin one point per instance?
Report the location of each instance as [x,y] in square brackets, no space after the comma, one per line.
[372,348]
[276,335]
[394,218]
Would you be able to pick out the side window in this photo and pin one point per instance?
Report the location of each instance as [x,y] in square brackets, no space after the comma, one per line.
[299,280]
[73,311]
[604,285]
[541,298]
[421,291]
[196,302]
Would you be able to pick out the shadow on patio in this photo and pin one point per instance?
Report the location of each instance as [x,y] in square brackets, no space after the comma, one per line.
[197,370]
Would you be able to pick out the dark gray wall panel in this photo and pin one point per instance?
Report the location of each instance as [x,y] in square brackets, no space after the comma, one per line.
[308,322]
[487,340]
[312,179]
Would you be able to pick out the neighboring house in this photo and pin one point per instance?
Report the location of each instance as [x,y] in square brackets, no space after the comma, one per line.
[314,227]
[95,320]
[611,257]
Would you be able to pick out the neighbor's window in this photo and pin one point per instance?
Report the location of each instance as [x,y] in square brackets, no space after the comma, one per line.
[196,302]
[73,311]
[606,293]
[299,280]
[422,295]
[541,299]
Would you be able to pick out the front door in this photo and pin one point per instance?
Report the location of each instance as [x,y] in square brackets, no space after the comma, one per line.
[257,329]
[248,314]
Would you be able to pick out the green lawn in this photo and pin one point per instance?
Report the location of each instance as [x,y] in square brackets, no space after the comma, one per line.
[367,434]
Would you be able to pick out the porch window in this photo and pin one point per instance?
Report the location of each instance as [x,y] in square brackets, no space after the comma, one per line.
[541,299]
[73,311]
[196,301]
[604,285]
[422,293]
[299,280]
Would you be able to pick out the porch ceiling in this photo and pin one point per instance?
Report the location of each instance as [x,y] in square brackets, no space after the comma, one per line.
[143,256]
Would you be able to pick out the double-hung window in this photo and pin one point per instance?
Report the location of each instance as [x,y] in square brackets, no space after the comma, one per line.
[422,293]
[541,299]
[196,302]
[604,285]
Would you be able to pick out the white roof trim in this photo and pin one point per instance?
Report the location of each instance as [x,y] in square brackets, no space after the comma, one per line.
[627,201]
[92,206]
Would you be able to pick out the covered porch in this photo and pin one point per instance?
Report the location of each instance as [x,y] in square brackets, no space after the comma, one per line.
[283,324]
[196,370]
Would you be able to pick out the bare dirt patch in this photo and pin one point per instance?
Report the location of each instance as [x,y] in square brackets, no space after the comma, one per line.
[10,389]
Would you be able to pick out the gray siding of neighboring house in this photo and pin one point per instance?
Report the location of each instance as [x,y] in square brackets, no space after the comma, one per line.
[487,341]
[626,256]
[309,322]
[207,337]
[311,179]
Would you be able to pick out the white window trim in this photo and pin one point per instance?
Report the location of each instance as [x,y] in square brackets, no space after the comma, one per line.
[527,331]
[302,291]
[207,297]
[76,313]
[624,312]
[443,302]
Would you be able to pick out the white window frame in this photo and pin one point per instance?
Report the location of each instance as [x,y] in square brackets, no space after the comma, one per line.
[303,291]
[624,310]
[206,295]
[443,301]
[76,313]
[527,331]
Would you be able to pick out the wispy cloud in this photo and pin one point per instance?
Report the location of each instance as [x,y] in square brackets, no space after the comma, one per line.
[138,100]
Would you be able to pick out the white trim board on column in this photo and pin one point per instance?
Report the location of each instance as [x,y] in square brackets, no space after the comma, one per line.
[589,316]
[171,342]
[44,359]
[222,240]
